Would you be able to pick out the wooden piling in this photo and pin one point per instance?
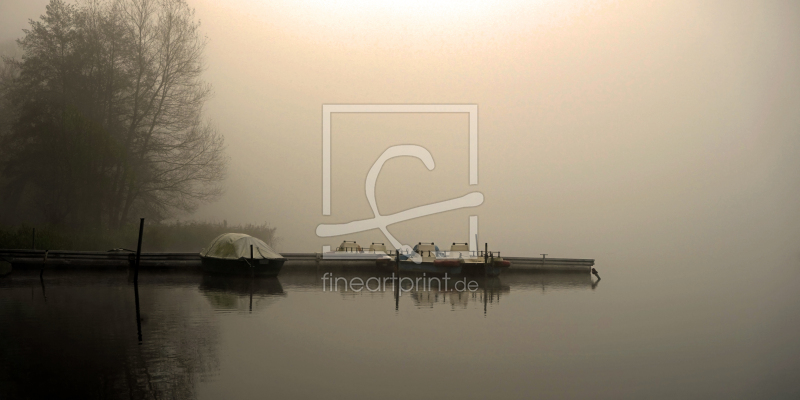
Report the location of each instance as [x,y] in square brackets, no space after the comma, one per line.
[138,257]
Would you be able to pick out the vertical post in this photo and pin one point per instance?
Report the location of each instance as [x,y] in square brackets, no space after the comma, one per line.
[33,239]
[397,280]
[138,253]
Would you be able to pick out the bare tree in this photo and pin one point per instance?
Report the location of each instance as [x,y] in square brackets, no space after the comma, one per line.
[118,85]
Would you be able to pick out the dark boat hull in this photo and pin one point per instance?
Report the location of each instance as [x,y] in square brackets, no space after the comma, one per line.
[242,266]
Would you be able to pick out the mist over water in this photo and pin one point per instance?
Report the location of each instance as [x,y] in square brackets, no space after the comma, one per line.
[659,139]
[619,127]
[604,127]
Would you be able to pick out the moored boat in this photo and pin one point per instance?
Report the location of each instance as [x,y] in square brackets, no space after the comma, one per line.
[350,250]
[426,257]
[241,254]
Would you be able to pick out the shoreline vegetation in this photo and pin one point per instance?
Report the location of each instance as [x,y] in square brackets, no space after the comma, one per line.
[189,236]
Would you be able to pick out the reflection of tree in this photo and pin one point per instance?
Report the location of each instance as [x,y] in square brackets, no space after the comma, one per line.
[82,343]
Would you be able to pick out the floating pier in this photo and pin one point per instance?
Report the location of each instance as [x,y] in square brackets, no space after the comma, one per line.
[33,259]
[551,264]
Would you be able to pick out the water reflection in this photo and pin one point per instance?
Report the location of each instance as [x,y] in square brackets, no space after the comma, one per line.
[545,281]
[238,292]
[521,333]
[80,340]
[44,291]
[138,309]
[485,291]
[78,334]
[311,278]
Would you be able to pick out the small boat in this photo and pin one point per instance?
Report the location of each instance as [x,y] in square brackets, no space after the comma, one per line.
[350,250]
[426,257]
[240,254]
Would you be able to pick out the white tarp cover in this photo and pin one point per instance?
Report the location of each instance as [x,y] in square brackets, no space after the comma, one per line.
[234,246]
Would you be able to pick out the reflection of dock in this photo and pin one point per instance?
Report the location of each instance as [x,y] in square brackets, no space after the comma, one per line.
[488,289]
[547,280]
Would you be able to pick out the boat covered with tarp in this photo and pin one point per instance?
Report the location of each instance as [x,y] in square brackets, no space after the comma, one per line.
[238,253]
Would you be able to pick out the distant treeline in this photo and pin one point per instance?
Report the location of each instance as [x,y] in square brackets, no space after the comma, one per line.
[171,237]
[101,117]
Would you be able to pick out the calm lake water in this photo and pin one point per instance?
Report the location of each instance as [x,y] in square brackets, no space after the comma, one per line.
[669,329]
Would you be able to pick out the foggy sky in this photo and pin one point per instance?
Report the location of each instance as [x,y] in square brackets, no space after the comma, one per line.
[665,127]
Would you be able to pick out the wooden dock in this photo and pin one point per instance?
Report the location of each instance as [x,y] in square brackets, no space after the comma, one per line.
[33,259]
[551,264]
